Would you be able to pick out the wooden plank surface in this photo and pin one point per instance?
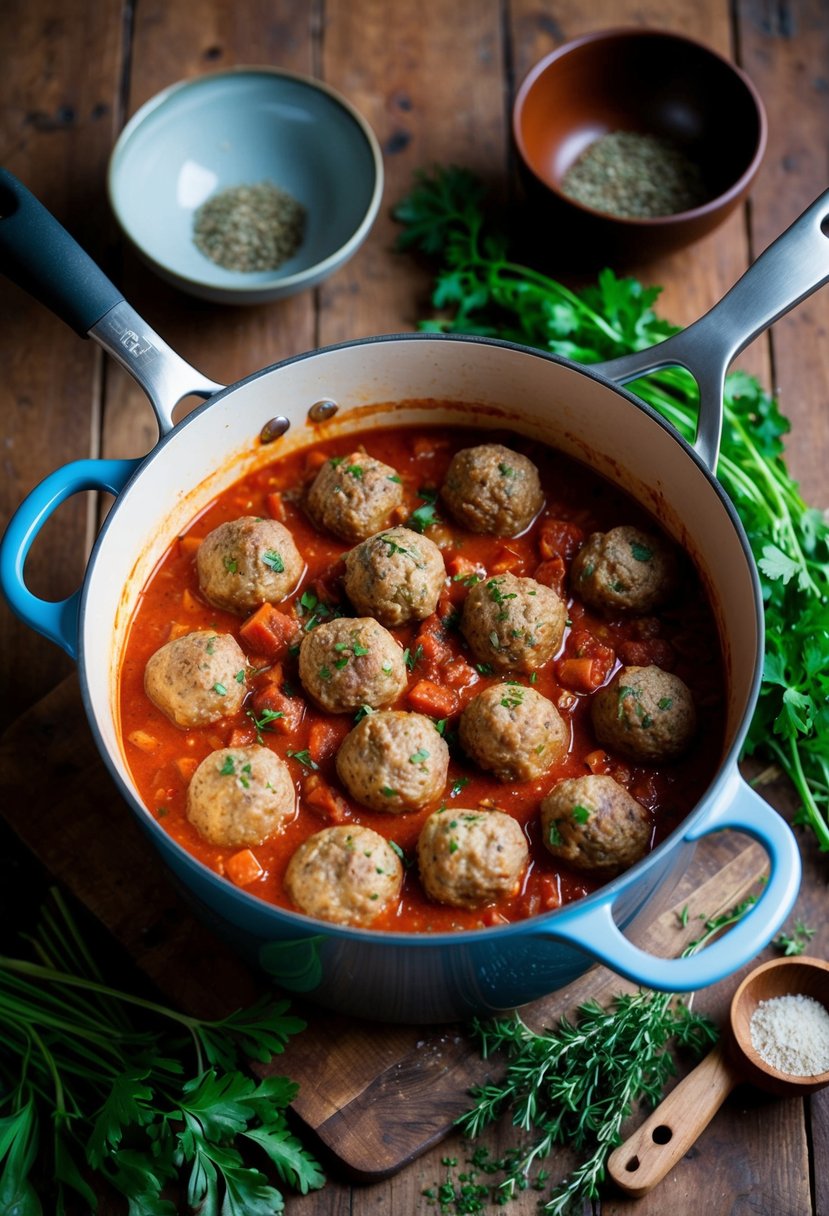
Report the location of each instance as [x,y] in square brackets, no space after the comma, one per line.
[436,86]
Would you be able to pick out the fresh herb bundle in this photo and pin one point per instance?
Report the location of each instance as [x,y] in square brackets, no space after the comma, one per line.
[86,1090]
[479,290]
[575,1085]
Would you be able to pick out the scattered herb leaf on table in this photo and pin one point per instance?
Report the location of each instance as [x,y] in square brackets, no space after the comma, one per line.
[479,290]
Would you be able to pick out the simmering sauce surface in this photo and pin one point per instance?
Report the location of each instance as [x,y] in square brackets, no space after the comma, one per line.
[162,756]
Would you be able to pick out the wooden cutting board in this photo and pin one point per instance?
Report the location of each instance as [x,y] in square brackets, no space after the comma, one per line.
[376,1095]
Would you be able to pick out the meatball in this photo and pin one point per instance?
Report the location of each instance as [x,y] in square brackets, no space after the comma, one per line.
[240,796]
[197,678]
[349,662]
[513,623]
[347,874]
[395,576]
[470,858]
[492,489]
[594,825]
[247,562]
[394,761]
[512,732]
[624,570]
[353,496]
[645,713]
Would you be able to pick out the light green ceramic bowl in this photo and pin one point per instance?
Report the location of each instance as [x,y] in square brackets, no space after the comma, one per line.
[242,127]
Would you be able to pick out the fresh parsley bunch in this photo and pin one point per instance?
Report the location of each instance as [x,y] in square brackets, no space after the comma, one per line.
[479,290]
[85,1089]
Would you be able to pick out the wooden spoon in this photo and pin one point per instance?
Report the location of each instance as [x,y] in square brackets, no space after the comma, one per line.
[654,1148]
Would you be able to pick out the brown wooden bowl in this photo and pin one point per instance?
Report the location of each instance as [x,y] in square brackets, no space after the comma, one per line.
[647,81]
[779,977]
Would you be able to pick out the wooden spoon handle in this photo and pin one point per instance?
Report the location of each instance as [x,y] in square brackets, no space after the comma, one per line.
[666,1135]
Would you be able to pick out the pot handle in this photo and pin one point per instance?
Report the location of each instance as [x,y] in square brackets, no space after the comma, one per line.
[56,620]
[793,266]
[38,254]
[593,929]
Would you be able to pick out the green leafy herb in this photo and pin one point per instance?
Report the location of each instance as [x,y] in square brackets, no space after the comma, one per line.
[220,689]
[262,721]
[479,290]
[576,1084]
[424,516]
[274,560]
[95,1083]
[419,756]
[304,758]
[796,941]
[315,610]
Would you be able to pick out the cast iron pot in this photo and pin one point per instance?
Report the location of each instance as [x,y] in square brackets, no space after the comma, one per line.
[401,380]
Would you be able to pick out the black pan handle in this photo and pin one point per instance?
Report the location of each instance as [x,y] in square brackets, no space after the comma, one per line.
[38,254]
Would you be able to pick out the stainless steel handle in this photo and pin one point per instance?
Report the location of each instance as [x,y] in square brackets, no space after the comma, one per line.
[793,266]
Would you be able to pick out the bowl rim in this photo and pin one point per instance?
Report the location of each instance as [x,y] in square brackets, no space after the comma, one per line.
[627,32]
[282,283]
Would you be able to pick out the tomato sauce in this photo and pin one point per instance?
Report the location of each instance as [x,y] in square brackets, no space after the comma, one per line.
[443,673]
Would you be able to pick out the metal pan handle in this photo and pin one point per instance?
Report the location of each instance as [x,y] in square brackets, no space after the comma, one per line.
[793,267]
[38,254]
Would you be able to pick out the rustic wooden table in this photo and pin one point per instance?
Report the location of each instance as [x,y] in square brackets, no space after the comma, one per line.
[435,81]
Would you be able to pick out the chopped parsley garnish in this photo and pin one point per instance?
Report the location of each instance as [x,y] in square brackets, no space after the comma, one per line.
[581,814]
[355,470]
[387,792]
[425,516]
[231,565]
[459,784]
[304,758]
[641,552]
[554,835]
[419,756]
[263,720]
[228,768]
[220,689]
[240,676]
[272,559]
[410,659]
[211,645]
[484,669]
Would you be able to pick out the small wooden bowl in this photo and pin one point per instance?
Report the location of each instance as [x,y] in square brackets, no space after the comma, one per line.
[643,80]
[779,977]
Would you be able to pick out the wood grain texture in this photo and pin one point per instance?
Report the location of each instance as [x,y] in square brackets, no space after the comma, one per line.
[436,84]
[59,115]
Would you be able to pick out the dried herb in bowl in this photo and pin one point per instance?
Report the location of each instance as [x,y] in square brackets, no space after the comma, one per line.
[635,176]
[250,228]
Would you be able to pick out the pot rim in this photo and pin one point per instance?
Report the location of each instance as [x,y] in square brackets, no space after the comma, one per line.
[309,926]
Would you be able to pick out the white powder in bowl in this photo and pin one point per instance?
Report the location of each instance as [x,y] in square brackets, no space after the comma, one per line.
[791,1033]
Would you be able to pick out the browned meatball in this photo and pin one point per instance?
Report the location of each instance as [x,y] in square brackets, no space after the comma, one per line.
[492,489]
[513,732]
[594,825]
[241,796]
[247,562]
[394,761]
[395,576]
[349,662]
[347,874]
[645,713]
[470,858]
[197,678]
[512,623]
[624,570]
[353,496]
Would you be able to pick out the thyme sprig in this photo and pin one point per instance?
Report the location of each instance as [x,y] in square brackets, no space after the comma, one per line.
[577,1083]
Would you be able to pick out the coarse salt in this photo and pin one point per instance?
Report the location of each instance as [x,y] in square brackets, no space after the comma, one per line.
[791,1033]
